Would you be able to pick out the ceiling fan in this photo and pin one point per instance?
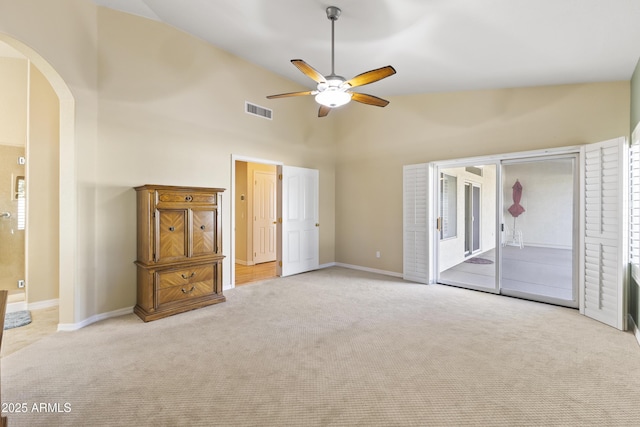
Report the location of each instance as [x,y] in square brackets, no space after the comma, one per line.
[333,90]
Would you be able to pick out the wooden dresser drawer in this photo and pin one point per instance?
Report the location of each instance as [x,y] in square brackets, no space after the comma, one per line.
[184,276]
[178,285]
[169,197]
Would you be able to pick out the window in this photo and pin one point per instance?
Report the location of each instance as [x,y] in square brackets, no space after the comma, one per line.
[448,206]
[20,191]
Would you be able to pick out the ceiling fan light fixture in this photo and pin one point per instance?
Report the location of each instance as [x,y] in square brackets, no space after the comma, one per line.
[333,97]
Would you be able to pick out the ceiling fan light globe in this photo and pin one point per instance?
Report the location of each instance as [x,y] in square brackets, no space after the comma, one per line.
[333,98]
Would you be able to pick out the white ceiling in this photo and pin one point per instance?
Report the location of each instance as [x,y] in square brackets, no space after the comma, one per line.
[435,45]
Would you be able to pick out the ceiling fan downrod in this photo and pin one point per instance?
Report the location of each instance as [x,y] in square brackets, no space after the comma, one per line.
[333,13]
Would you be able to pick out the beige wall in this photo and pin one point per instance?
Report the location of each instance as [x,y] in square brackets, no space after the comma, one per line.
[171,111]
[42,190]
[13,101]
[374,144]
[242,209]
[150,105]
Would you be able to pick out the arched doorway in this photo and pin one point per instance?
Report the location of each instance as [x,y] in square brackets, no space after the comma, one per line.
[66,225]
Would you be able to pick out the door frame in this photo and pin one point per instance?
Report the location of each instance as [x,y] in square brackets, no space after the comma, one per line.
[232,196]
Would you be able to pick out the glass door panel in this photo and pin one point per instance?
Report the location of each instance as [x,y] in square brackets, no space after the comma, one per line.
[467,220]
[539,208]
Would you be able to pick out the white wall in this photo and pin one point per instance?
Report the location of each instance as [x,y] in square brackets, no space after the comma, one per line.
[547,198]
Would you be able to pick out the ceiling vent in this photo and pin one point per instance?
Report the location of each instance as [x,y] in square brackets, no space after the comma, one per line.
[257,110]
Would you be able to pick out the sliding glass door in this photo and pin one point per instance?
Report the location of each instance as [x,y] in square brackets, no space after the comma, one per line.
[510,227]
[467,220]
[539,211]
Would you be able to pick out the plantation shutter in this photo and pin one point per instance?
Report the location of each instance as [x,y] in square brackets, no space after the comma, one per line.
[634,205]
[416,223]
[605,242]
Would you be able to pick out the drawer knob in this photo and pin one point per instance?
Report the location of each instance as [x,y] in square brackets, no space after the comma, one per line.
[188,198]
[184,276]
[202,227]
[184,291]
[171,228]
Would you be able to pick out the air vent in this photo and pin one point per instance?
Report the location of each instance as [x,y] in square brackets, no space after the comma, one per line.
[257,110]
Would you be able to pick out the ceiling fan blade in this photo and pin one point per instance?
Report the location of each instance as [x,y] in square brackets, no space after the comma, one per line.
[371,76]
[323,111]
[369,99]
[285,95]
[309,70]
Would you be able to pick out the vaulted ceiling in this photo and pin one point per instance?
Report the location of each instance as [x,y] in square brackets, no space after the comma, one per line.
[435,45]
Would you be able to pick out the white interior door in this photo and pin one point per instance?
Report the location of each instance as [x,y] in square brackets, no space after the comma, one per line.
[299,249]
[264,216]
[605,232]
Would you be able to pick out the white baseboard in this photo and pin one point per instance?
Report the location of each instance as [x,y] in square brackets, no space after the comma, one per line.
[22,305]
[370,270]
[241,262]
[44,304]
[327,265]
[93,319]
[12,307]
[634,328]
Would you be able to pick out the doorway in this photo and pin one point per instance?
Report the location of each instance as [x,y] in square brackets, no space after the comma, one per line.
[255,221]
[515,227]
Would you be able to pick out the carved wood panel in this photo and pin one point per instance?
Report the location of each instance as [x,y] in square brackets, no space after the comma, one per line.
[172,241]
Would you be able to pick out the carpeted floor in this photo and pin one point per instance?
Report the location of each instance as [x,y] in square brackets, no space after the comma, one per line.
[335,347]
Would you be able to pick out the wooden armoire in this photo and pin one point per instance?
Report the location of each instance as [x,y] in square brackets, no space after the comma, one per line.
[179,249]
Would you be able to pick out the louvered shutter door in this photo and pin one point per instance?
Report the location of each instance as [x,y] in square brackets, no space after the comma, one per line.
[415,223]
[605,242]
[634,205]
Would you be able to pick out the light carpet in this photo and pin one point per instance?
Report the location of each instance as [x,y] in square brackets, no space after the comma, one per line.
[334,347]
